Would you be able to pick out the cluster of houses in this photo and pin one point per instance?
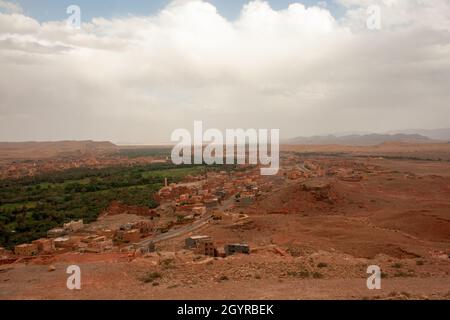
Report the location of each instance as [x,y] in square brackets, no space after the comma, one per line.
[204,245]
[133,232]
[191,200]
[296,168]
[56,240]
[72,237]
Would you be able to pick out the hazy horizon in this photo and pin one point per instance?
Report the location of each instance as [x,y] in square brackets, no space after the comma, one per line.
[282,139]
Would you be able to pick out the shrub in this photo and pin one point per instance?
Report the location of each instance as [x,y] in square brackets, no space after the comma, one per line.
[299,274]
[317,275]
[150,277]
[403,274]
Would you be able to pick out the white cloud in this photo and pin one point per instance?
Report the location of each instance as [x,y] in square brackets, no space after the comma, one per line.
[138,78]
[10,7]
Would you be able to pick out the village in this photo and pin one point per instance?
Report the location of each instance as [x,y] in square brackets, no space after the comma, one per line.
[183,209]
[197,200]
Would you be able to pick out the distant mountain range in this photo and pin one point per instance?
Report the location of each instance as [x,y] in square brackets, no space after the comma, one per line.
[360,140]
[437,134]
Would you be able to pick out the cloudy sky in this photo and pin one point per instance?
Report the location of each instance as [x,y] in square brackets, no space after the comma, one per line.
[137,70]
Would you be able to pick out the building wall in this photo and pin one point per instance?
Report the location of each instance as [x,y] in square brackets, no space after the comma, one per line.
[192,242]
[26,250]
[132,236]
[206,247]
[236,248]
[74,225]
[45,245]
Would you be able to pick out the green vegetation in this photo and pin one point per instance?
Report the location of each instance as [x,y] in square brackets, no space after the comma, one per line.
[403,274]
[145,152]
[30,206]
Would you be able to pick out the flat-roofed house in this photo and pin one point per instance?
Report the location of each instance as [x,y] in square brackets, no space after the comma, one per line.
[45,245]
[73,226]
[63,242]
[192,241]
[26,249]
[132,236]
[56,232]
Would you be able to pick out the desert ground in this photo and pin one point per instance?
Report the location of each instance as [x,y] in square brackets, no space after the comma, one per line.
[312,236]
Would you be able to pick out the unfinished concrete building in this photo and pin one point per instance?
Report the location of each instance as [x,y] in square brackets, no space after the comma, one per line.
[206,247]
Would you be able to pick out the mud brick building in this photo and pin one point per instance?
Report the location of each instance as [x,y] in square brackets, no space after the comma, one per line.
[44,245]
[100,246]
[73,226]
[145,227]
[63,242]
[199,210]
[131,236]
[193,241]
[211,203]
[56,232]
[26,249]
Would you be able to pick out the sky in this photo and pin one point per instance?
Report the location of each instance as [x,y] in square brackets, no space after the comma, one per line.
[137,70]
[48,10]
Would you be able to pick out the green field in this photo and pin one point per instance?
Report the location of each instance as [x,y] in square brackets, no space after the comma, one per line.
[30,206]
[145,152]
